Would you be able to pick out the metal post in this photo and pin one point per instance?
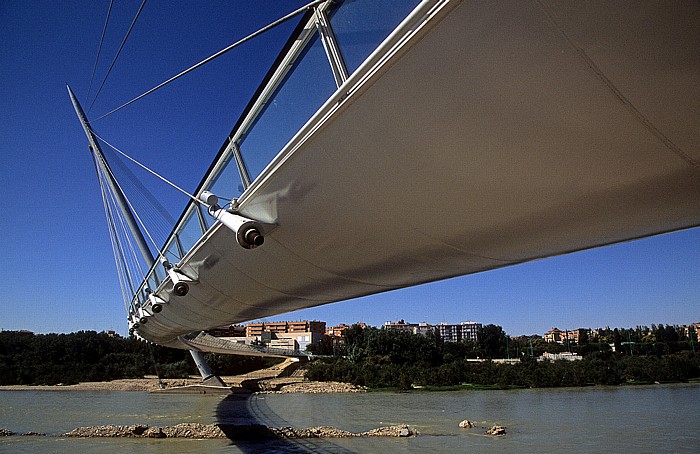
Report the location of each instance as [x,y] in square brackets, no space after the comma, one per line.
[330,45]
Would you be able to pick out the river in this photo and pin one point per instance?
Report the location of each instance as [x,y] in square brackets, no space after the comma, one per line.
[596,419]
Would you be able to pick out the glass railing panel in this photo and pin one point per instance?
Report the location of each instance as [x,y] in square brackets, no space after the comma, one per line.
[361,25]
[160,272]
[152,284]
[227,183]
[208,220]
[190,232]
[172,253]
[307,85]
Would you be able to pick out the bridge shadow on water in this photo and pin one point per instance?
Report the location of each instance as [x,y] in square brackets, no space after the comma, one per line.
[246,419]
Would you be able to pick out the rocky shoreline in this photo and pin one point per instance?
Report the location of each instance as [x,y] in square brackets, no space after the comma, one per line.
[286,386]
[221,431]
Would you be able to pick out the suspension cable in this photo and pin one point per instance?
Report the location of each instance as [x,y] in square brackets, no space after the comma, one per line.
[127,281]
[123,233]
[161,385]
[136,215]
[113,241]
[140,187]
[152,172]
[99,49]
[218,54]
[158,218]
[124,273]
[127,239]
[133,256]
[143,3]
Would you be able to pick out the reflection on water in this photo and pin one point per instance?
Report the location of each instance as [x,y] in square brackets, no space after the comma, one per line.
[242,410]
[615,419]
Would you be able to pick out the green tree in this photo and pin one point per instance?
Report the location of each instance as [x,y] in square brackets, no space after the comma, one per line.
[492,341]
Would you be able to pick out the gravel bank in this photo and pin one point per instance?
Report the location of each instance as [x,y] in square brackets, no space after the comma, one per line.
[276,385]
[285,386]
[233,432]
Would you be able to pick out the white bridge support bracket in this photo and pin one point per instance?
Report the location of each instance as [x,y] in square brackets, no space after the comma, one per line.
[156,303]
[181,282]
[249,233]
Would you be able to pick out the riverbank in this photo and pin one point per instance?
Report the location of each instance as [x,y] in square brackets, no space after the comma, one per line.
[152,384]
[147,384]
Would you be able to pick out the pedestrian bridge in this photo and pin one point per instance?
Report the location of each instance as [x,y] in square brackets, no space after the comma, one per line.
[395,143]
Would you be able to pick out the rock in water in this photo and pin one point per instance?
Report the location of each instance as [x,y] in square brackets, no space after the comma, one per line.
[466,424]
[496,430]
[155,432]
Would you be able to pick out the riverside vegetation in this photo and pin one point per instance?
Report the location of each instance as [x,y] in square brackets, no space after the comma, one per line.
[368,357]
[51,359]
[392,359]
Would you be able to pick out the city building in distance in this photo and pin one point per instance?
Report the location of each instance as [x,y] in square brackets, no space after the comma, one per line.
[448,332]
[295,335]
[561,337]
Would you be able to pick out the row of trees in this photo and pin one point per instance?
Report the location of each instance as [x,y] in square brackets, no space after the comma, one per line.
[645,334]
[494,343]
[49,359]
[606,369]
[388,358]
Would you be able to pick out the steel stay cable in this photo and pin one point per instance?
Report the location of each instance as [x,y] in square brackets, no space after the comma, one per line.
[153,215]
[138,218]
[133,256]
[126,273]
[129,243]
[143,3]
[160,254]
[130,280]
[99,49]
[136,215]
[143,166]
[218,54]
[127,282]
[113,241]
[152,172]
[121,167]
[123,233]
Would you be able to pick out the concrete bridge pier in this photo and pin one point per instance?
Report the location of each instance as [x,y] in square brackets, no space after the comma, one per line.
[208,376]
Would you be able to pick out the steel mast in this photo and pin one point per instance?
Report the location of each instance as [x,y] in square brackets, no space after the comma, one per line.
[121,200]
[208,377]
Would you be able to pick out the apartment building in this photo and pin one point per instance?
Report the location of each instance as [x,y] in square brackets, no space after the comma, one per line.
[303,332]
[448,332]
[458,332]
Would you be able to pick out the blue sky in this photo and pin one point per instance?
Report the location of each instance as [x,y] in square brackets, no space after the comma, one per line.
[58,271]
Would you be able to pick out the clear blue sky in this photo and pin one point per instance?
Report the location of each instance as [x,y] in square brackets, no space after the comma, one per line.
[58,273]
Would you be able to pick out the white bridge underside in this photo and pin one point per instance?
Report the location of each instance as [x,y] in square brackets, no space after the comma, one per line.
[501,132]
